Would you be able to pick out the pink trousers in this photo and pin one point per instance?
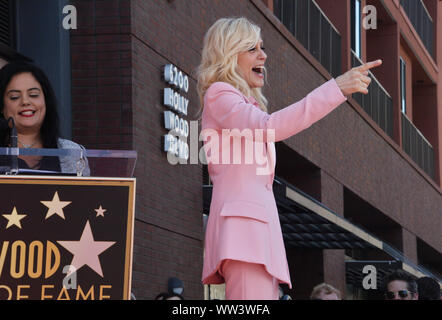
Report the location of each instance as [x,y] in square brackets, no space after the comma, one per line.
[248,281]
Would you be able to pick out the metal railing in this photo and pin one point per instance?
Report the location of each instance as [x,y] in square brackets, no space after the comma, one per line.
[395,253]
[421,21]
[305,20]
[378,104]
[416,146]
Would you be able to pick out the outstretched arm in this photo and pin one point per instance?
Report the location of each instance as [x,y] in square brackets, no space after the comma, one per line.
[227,107]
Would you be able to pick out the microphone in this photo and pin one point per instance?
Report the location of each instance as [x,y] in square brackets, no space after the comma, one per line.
[13,141]
[3,127]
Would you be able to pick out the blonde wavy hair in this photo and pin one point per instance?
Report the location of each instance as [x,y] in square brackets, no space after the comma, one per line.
[223,41]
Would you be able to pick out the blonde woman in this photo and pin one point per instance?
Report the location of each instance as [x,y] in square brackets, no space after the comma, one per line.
[244,247]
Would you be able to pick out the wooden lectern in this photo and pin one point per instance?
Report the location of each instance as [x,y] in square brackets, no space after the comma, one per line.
[67,237]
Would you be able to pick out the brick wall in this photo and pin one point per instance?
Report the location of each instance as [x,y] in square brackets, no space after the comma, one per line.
[169,198]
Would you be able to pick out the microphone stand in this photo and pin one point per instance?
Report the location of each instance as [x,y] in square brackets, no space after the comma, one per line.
[14,147]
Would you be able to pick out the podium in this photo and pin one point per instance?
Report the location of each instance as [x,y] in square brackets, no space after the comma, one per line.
[64,236]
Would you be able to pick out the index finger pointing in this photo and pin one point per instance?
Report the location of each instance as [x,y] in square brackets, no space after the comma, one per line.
[369,65]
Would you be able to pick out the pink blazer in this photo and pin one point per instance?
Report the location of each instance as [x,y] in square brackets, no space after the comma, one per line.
[243,222]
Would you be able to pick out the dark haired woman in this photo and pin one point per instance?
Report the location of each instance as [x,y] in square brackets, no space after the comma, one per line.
[27,97]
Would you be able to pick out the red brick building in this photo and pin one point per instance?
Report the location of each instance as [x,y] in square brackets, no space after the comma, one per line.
[361,186]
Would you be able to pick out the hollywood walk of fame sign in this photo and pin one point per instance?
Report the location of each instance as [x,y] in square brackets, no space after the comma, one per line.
[66,238]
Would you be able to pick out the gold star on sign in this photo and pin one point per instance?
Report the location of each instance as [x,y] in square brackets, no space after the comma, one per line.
[55,206]
[86,250]
[14,218]
[100,211]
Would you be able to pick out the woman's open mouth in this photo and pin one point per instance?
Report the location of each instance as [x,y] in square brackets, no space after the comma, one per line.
[258,70]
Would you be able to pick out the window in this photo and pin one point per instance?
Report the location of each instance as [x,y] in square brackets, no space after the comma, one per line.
[356,27]
[403,85]
[311,27]
[5,23]
[47,44]
[422,22]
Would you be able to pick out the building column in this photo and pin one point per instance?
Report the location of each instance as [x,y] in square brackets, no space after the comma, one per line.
[269,4]
[438,145]
[306,271]
[332,196]
[409,245]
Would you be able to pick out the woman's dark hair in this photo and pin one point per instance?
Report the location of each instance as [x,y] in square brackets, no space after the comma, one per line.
[49,130]
[168,295]
[428,289]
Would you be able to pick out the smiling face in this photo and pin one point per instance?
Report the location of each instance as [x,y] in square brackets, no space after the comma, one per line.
[251,65]
[25,102]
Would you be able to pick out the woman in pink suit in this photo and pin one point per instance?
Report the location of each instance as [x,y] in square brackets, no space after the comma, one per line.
[243,243]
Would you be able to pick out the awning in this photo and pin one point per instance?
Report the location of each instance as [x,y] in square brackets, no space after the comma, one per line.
[300,212]
[307,223]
